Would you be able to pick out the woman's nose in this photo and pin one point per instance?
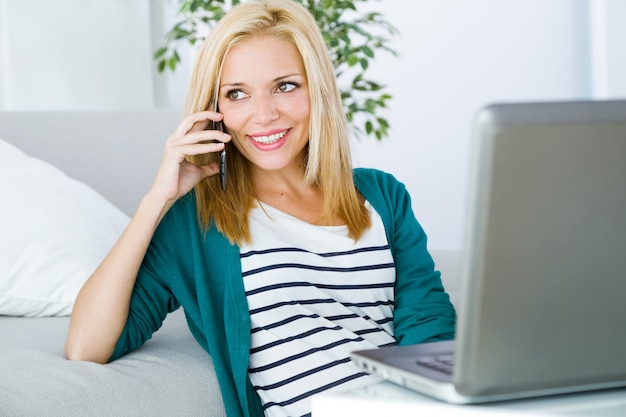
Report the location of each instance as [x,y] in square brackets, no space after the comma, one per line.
[265,109]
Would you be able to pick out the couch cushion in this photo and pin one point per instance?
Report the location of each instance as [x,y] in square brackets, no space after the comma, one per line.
[55,232]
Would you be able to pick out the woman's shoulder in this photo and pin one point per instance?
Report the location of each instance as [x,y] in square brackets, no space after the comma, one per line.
[371,179]
[384,192]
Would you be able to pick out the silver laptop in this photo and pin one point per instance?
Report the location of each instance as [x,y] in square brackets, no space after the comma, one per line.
[543,303]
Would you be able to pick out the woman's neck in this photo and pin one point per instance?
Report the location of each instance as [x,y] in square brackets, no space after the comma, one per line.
[291,195]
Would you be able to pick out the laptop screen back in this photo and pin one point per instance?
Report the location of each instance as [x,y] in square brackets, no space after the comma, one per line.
[543,299]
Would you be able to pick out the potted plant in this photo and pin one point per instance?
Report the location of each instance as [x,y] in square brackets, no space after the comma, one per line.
[353,37]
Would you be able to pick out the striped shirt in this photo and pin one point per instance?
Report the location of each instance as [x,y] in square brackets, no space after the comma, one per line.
[314,295]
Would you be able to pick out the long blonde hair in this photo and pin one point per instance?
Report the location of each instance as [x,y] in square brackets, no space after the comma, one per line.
[329,164]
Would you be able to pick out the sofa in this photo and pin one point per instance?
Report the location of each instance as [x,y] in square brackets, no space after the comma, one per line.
[69,182]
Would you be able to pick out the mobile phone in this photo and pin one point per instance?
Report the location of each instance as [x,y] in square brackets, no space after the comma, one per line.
[222,160]
[223,168]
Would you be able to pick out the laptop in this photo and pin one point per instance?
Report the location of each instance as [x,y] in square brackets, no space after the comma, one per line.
[543,302]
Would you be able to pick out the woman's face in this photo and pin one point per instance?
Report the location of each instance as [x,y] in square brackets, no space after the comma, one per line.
[264,98]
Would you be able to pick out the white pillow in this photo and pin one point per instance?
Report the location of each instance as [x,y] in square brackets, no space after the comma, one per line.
[54,231]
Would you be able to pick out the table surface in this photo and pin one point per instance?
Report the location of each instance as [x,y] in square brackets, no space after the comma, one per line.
[387,399]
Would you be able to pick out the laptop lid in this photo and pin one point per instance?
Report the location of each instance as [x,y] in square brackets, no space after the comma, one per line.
[544,274]
[545,270]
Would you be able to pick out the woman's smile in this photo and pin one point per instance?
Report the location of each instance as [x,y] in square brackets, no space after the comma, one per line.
[263,140]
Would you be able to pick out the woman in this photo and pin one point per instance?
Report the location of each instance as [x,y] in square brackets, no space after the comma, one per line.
[297,262]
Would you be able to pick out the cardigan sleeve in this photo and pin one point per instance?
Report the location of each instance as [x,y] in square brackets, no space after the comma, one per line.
[422,309]
[152,298]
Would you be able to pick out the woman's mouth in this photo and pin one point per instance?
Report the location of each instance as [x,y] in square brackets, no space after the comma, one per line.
[269,139]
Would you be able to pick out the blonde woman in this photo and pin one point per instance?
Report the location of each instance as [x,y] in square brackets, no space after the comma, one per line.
[298,261]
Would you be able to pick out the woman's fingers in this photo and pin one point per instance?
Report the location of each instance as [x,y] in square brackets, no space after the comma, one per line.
[195,129]
[177,175]
[197,121]
[203,136]
[199,148]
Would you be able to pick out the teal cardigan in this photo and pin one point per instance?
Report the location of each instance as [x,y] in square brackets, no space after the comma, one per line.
[202,273]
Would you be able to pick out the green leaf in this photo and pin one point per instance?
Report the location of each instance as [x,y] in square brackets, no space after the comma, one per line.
[160,52]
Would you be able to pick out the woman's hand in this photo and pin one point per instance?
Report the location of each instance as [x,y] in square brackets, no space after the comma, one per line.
[176,175]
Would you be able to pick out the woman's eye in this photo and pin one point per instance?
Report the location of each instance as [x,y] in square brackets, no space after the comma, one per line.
[287,87]
[236,95]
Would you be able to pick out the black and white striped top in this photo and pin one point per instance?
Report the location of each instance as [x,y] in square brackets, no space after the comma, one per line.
[314,296]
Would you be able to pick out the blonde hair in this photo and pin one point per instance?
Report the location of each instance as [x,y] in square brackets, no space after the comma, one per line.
[329,164]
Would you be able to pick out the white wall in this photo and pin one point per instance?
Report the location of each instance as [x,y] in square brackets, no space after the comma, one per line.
[455,57]
[75,54]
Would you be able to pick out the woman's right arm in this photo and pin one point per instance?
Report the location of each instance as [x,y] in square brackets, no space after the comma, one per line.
[102,305]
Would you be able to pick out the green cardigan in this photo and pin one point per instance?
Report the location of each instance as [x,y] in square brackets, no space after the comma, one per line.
[202,273]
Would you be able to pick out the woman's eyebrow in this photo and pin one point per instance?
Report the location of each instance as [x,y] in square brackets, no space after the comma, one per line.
[282,77]
[275,80]
[233,84]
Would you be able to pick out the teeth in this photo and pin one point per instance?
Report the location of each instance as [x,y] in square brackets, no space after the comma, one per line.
[266,140]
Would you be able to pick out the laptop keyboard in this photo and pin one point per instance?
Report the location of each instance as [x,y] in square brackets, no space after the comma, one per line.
[441,363]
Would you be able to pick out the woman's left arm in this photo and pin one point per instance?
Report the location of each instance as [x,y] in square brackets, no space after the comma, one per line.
[423,311]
